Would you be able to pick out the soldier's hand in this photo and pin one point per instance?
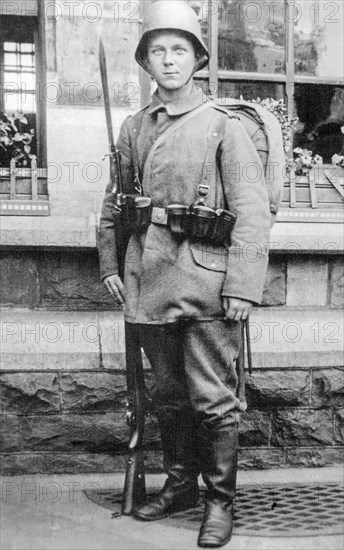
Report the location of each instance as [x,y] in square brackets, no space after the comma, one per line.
[236,309]
[115,288]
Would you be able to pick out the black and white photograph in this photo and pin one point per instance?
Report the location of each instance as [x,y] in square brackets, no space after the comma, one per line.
[171,274]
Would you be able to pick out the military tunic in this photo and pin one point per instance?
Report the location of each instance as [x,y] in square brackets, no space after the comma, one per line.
[168,279]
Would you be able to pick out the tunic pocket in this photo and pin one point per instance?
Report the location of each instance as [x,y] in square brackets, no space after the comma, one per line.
[213,258]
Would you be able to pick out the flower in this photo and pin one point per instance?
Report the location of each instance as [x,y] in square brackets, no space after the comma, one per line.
[305,161]
[338,160]
[14,142]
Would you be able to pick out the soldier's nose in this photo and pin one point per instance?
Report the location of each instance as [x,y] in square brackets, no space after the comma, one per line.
[168,60]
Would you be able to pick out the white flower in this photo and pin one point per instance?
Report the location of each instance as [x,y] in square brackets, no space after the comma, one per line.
[338,160]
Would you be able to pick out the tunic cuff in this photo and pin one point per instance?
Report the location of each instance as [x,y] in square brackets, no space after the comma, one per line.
[246,275]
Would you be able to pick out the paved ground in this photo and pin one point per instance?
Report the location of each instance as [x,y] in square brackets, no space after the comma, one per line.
[53,513]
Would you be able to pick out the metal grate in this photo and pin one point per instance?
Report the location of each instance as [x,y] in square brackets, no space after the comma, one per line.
[292,510]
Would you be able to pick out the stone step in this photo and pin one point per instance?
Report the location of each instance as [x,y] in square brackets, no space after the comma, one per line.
[61,340]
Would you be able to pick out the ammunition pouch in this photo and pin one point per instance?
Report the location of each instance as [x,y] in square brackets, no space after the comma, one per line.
[199,222]
[136,212]
[177,219]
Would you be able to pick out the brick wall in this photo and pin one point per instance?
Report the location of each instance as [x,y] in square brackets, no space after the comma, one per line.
[62,381]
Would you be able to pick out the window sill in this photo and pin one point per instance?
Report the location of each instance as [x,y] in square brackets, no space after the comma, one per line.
[48,232]
[307,238]
[73,232]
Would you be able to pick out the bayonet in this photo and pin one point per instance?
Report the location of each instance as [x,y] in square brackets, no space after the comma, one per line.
[114,154]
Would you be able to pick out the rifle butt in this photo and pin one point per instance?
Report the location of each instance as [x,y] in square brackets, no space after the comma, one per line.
[134,486]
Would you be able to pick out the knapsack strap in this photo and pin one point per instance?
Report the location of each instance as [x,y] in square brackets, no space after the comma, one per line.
[133,136]
[173,128]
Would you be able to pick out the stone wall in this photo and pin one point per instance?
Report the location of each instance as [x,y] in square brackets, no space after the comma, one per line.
[63,393]
[69,280]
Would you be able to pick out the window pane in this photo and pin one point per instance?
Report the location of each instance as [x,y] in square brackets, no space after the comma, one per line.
[26,48]
[321,119]
[19,75]
[9,47]
[28,102]
[247,90]
[11,78]
[12,103]
[250,90]
[251,36]
[29,81]
[14,81]
[27,60]
[319,38]
[10,60]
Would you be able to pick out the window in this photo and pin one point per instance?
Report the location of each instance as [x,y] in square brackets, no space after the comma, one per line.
[285,50]
[22,74]
[21,71]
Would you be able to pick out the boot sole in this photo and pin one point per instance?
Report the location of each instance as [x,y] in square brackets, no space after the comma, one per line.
[176,508]
[213,544]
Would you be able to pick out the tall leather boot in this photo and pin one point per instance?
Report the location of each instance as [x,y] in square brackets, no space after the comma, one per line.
[218,450]
[180,492]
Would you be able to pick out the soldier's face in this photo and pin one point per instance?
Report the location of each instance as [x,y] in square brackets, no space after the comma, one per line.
[171,59]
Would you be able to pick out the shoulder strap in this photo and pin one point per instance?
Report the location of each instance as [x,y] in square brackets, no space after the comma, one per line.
[176,125]
[133,135]
[173,128]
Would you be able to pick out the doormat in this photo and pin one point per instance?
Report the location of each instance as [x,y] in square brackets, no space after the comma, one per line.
[267,510]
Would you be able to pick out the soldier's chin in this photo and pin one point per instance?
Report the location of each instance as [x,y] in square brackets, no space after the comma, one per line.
[171,84]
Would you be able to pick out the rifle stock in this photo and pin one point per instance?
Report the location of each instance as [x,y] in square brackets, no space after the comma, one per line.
[134,485]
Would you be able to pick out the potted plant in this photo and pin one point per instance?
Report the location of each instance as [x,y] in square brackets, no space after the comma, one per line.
[305,170]
[23,187]
[15,140]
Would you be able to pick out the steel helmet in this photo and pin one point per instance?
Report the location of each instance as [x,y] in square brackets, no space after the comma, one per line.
[172,15]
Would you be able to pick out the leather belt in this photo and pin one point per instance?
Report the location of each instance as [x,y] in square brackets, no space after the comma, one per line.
[159,216]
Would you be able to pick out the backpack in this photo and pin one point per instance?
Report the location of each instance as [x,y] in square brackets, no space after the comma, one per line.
[256,118]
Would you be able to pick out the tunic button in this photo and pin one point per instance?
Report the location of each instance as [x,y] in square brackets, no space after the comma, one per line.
[215,134]
[213,265]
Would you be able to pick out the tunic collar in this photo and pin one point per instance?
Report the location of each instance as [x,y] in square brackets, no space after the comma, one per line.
[180,107]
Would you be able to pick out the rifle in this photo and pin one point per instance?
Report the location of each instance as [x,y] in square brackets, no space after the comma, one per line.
[134,486]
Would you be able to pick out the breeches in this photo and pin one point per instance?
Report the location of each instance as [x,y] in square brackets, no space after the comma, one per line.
[193,364]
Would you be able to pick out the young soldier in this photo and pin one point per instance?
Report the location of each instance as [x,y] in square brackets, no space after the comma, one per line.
[188,294]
